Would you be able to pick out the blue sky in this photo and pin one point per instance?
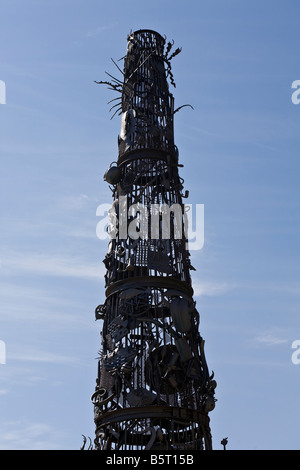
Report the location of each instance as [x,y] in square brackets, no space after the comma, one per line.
[240,150]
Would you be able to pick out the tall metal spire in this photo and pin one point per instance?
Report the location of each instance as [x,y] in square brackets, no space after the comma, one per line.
[153,389]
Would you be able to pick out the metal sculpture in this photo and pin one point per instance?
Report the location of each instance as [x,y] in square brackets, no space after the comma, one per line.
[153,389]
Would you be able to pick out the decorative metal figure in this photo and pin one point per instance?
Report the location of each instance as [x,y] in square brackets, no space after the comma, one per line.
[153,389]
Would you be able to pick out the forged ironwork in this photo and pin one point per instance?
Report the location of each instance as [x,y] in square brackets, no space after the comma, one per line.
[153,389]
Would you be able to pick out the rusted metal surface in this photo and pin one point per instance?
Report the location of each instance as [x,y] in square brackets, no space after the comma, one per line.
[153,389]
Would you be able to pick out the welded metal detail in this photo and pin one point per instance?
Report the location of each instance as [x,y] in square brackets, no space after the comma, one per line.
[153,389]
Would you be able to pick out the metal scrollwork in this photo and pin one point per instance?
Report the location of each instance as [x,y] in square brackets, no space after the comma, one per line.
[153,389]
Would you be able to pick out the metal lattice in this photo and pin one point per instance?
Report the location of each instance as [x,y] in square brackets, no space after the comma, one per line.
[153,389]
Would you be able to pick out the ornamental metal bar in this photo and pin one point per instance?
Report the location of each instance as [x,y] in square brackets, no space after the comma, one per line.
[153,389]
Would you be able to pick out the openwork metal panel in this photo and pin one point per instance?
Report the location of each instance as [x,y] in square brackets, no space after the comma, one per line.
[153,389]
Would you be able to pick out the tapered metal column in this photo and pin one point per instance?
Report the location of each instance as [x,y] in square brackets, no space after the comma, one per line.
[153,389]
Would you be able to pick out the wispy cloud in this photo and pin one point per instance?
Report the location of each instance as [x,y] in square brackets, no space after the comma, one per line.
[51,265]
[271,337]
[101,29]
[26,436]
[78,202]
[43,357]
[49,306]
[211,288]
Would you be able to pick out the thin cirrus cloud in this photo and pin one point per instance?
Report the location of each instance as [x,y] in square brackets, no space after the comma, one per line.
[101,29]
[51,265]
[43,357]
[270,339]
[211,288]
[31,435]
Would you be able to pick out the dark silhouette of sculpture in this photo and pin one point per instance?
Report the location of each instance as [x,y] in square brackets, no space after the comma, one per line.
[153,389]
